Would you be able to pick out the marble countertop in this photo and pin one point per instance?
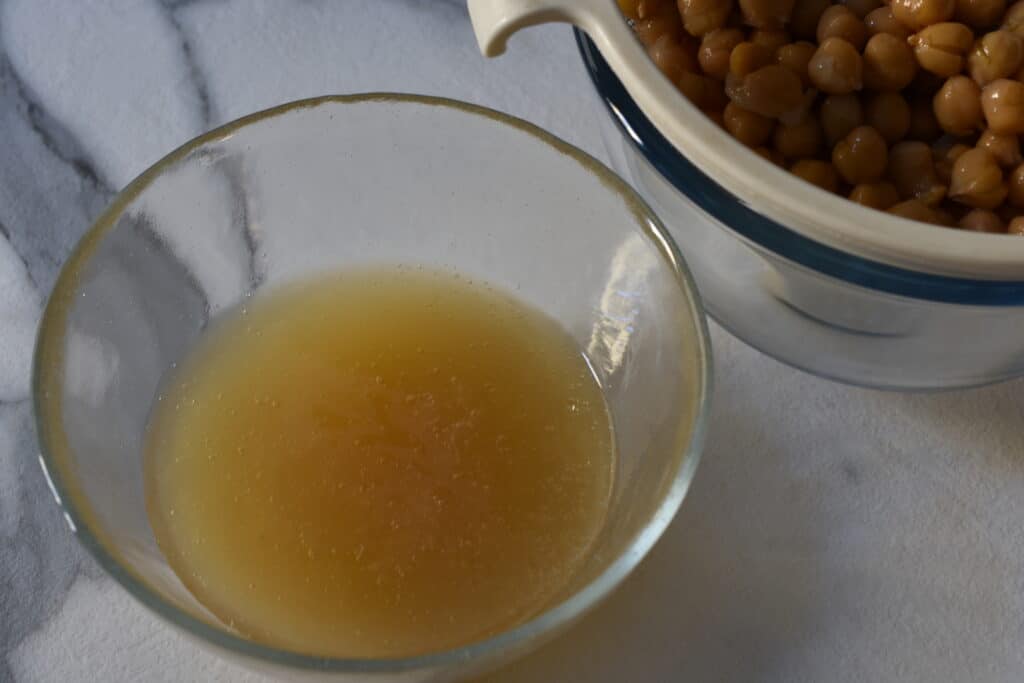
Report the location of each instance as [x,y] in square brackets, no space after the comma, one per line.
[831,533]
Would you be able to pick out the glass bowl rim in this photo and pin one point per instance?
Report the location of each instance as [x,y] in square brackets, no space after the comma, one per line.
[53,449]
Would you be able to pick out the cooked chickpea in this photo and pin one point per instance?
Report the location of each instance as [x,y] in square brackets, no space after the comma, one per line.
[715,50]
[836,67]
[800,140]
[630,9]
[862,7]
[957,106]
[771,155]
[646,9]
[1002,102]
[881,20]
[861,156]
[649,30]
[803,23]
[772,39]
[839,115]
[889,114]
[1013,20]
[766,13]
[1016,226]
[795,57]
[923,125]
[889,63]
[982,220]
[1005,148]
[839,22]
[1015,187]
[945,153]
[980,14]
[749,128]
[876,195]
[671,58]
[977,180]
[916,210]
[704,16]
[748,57]
[916,14]
[770,91]
[996,55]
[705,92]
[942,48]
[820,173]
[912,171]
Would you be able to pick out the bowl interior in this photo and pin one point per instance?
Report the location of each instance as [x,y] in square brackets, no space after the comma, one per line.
[342,182]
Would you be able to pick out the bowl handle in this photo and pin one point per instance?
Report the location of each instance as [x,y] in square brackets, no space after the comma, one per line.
[495,20]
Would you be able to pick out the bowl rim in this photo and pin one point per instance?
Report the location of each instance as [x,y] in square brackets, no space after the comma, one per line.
[804,208]
[761,230]
[55,449]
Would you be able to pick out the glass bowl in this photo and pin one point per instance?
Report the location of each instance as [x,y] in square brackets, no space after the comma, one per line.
[812,279]
[339,182]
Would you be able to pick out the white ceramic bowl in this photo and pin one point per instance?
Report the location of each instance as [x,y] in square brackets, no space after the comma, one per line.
[806,276]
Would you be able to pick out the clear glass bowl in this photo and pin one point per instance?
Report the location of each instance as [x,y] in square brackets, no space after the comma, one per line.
[819,307]
[341,182]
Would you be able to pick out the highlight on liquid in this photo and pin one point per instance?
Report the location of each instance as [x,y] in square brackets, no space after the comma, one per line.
[381,463]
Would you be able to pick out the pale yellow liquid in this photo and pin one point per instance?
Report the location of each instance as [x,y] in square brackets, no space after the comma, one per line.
[384,463]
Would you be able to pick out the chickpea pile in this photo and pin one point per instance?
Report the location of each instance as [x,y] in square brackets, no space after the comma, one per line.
[915,107]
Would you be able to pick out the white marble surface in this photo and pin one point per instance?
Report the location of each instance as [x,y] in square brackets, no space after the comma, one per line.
[831,533]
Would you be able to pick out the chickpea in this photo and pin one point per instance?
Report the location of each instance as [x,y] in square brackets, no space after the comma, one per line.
[1013,20]
[771,155]
[945,152]
[703,16]
[980,14]
[839,22]
[1005,148]
[977,180]
[957,106]
[875,195]
[916,210]
[766,13]
[916,14]
[923,125]
[1016,226]
[996,55]
[748,57]
[705,92]
[749,128]
[649,30]
[647,9]
[795,57]
[715,49]
[862,7]
[912,171]
[881,20]
[889,63]
[671,58]
[839,115]
[770,91]
[942,48]
[772,39]
[982,220]
[630,8]
[861,156]
[803,23]
[836,67]
[800,140]
[820,173]
[1015,187]
[1002,102]
[889,114]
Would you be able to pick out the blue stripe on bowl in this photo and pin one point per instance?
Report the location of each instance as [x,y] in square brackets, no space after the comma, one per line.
[731,211]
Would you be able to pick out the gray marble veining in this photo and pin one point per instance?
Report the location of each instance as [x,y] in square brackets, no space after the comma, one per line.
[831,533]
